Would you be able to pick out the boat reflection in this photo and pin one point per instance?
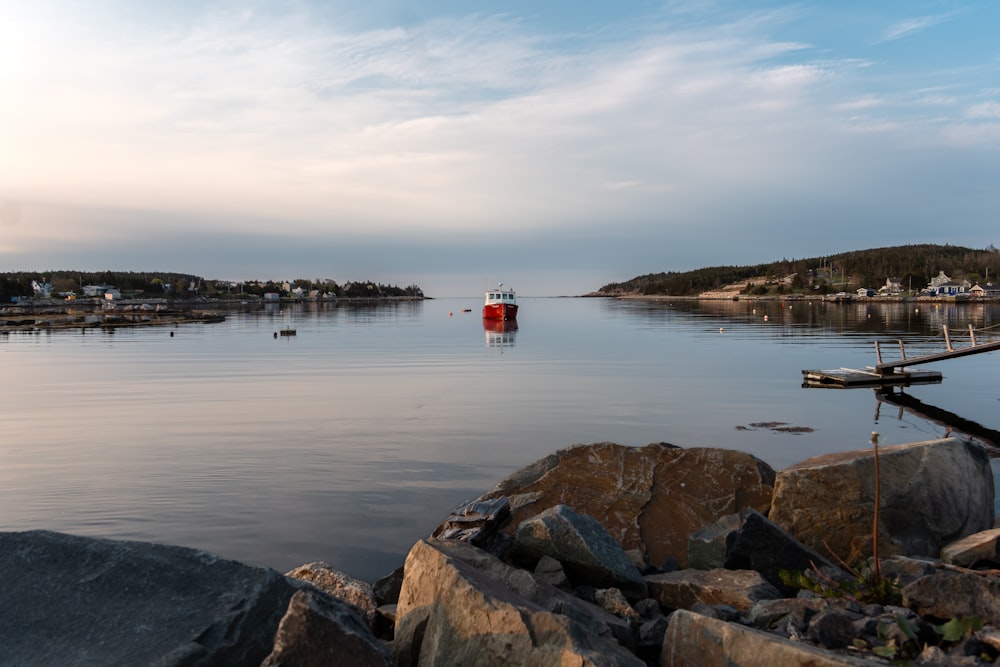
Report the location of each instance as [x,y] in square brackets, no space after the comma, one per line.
[500,333]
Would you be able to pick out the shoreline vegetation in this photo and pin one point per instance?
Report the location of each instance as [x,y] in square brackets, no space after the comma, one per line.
[892,272]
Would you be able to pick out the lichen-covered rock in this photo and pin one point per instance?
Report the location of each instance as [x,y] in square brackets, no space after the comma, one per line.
[650,498]
[588,554]
[460,605]
[932,493]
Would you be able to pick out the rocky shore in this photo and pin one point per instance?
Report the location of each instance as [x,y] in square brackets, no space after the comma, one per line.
[595,555]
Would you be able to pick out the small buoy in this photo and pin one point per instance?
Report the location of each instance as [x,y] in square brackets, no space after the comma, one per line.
[765,318]
[916,310]
[275,334]
[450,313]
[721,329]
[171,334]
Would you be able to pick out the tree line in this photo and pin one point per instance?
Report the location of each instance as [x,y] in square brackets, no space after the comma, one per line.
[913,265]
[187,286]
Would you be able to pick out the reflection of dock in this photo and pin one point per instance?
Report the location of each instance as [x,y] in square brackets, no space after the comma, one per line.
[948,420]
[500,333]
[892,373]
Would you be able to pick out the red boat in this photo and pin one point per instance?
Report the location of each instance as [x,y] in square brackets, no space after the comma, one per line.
[501,304]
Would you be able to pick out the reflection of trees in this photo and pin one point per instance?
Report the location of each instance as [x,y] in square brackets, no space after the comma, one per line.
[874,319]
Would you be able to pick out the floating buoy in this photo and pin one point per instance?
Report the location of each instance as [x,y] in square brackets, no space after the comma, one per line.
[450,313]
[275,334]
[721,329]
[765,318]
[171,334]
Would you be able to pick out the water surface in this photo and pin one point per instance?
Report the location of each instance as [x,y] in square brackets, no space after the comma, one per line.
[355,437]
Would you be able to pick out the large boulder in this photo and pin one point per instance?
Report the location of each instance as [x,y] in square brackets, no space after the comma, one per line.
[589,555]
[83,601]
[932,493]
[460,605]
[649,498]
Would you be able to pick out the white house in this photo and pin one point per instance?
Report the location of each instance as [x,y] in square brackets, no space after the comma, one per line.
[942,285]
[988,290]
[43,290]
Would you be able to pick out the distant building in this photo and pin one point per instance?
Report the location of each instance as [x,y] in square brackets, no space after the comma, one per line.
[272,296]
[892,287]
[983,291]
[942,285]
[101,290]
[43,290]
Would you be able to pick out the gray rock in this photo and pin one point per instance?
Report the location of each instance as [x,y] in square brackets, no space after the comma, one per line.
[932,493]
[460,605]
[683,588]
[832,628]
[946,595]
[707,642]
[320,630]
[612,601]
[972,548]
[588,554]
[480,523]
[765,547]
[768,614]
[551,570]
[83,601]
[324,577]
[707,547]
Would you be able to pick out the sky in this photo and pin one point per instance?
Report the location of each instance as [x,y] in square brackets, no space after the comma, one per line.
[554,146]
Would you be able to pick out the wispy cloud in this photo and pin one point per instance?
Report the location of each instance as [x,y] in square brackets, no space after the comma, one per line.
[911,26]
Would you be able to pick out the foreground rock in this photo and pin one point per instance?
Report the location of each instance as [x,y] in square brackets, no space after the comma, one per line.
[582,547]
[700,641]
[82,601]
[933,493]
[565,592]
[462,606]
[648,498]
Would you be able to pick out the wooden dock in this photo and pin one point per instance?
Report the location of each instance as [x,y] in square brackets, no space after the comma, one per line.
[845,378]
[892,373]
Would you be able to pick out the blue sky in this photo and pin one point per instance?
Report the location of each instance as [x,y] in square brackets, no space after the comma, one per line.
[553,146]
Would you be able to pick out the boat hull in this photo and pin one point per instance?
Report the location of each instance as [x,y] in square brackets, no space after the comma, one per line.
[499,311]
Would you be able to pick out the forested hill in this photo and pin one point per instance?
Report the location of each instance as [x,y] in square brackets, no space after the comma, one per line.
[913,265]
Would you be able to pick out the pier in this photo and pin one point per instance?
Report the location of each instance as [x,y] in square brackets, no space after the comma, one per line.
[893,373]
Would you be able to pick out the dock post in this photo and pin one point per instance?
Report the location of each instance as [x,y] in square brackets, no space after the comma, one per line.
[947,338]
[902,350]
[972,334]
[878,353]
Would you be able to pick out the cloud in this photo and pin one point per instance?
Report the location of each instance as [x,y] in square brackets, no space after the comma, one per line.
[911,26]
[984,110]
[326,127]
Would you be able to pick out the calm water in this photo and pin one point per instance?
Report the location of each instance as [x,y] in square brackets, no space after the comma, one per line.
[354,438]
